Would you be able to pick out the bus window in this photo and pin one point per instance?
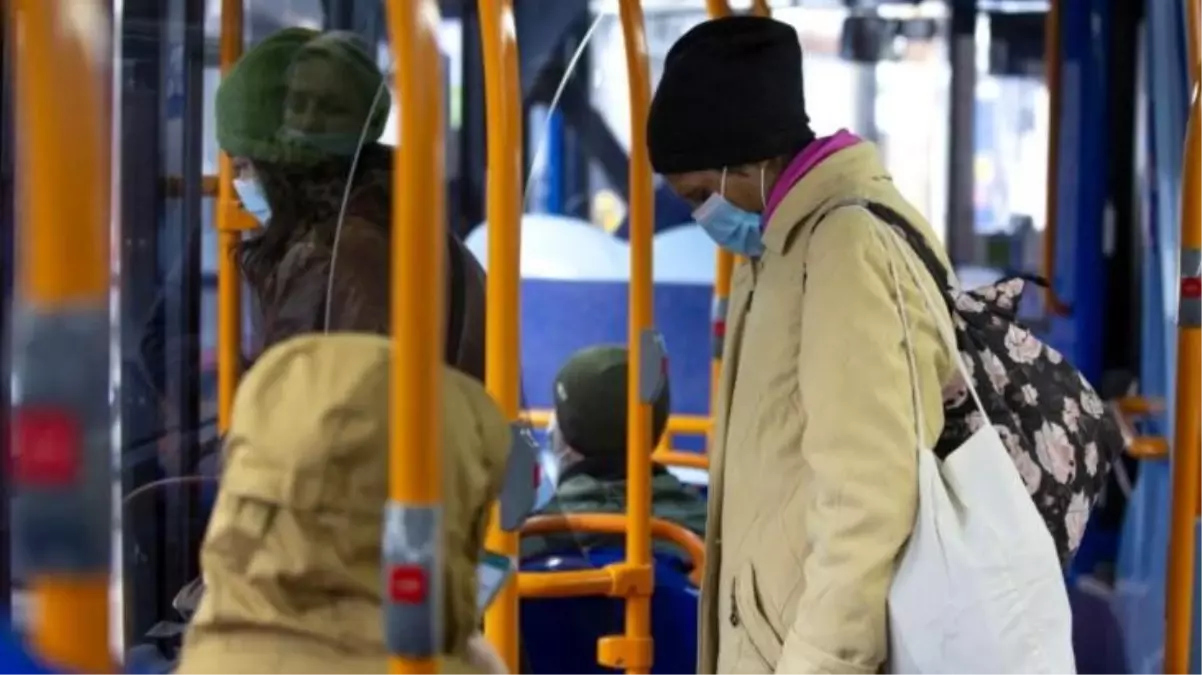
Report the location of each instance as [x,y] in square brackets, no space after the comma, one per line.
[166,258]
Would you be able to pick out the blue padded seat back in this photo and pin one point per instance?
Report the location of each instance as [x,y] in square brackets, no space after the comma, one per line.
[15,656]
[560,634]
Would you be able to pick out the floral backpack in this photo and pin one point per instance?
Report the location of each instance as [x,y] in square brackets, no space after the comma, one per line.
[1060,435]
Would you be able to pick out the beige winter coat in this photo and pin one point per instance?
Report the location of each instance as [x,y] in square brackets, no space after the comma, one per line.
[813,472]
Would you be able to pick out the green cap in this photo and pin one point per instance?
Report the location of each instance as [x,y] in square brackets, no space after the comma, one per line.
[590,402]
[255,104]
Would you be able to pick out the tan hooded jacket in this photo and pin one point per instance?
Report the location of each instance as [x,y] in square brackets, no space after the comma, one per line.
[813,485]
[291,559]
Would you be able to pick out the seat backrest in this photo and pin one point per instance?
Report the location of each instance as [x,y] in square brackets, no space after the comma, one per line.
[1097,635]
[15,657]
[560,634]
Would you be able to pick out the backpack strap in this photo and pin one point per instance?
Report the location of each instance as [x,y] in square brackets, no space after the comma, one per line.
[456,300]
[913,237]
[919,245]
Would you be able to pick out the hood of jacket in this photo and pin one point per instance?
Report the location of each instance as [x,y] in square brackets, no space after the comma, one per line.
[292,555]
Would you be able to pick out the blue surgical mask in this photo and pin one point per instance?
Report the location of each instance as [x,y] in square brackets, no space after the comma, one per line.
[250,193]
[732,228]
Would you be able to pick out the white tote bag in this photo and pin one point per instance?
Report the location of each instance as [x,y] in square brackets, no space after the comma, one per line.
[979,588]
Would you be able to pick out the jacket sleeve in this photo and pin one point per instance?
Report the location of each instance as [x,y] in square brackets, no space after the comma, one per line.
[358,296]
[860,440]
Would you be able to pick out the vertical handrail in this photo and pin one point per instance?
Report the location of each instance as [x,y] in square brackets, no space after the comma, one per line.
[638,440]
[412,542]
[231,220]
[724,264]
[1187,430]
[717,8]
[503,97]
[62,463]
[1193,36]
[1053,65]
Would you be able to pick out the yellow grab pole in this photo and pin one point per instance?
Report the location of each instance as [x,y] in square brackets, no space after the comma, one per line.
[634,651]
[231,220]
[502,352]
[717,8]
[61,466]
[723,268]
[1187,430]
[1193,36]
[725,260]
[64,248]
[412,542]
[724,264]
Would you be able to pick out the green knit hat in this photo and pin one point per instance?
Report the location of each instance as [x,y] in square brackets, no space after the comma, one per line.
[251,98]
[590,402]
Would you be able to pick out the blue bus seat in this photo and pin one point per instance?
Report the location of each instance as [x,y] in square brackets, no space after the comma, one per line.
[560,634]
[1097,635]
[15,657]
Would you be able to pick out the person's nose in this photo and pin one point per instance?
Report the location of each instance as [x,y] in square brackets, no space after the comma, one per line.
[307,118]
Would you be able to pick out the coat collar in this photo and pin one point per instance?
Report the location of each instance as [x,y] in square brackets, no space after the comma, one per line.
[834,179]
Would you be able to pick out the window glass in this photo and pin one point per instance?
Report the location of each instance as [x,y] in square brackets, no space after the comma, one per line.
[165,270]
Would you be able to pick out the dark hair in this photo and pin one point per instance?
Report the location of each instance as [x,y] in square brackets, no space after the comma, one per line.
[795,150]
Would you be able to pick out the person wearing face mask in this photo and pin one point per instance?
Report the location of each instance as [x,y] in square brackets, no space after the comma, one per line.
[301,115]
[813,486]
[586,461]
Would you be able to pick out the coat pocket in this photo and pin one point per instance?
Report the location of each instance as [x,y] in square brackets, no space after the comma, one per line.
[749,618]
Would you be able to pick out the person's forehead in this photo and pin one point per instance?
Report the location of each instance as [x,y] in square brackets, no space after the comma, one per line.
[314,74]
[694,185]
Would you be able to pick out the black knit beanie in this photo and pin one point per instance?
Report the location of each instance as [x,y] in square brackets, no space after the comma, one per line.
[731,94]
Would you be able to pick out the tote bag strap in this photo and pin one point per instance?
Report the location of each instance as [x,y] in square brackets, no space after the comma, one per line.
[911,361]
[942,319]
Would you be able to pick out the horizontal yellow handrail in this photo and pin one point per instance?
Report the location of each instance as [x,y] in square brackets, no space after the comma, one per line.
[693,425]
[173,186]
[573,584]
[231,217]
[1138,406]
[610,523]
[677,424]
[1149,447]
[683,459]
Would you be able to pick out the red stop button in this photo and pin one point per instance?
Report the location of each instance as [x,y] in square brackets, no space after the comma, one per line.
[407,584]
[46,447]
